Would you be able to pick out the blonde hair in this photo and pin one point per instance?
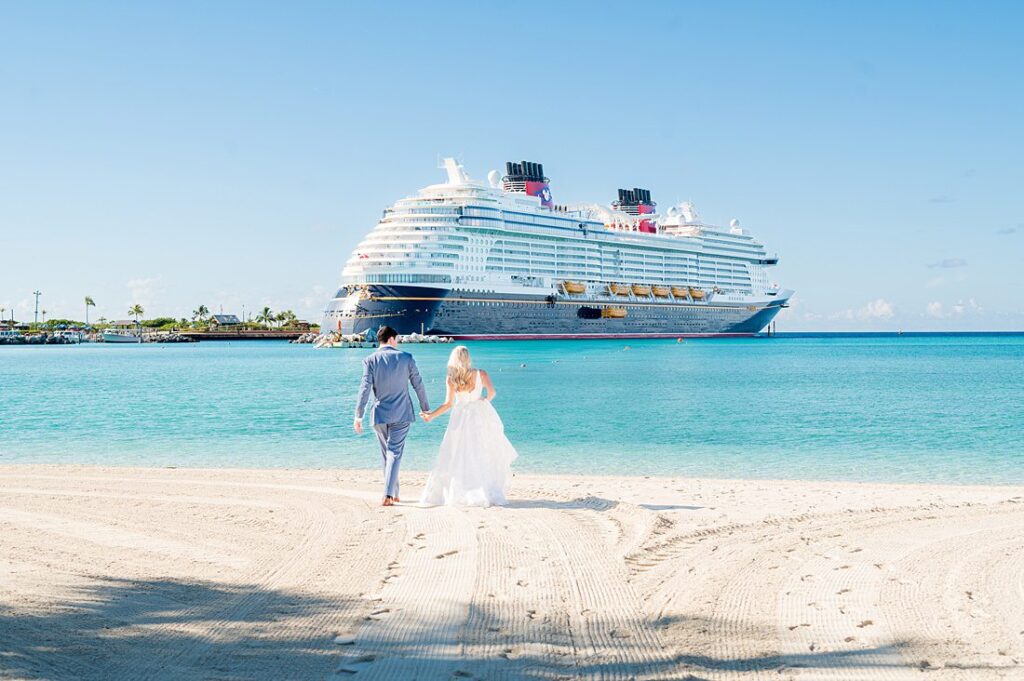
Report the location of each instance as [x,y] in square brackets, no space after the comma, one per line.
[460,369]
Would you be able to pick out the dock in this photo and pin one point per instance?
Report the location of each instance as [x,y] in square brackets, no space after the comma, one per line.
[250,334]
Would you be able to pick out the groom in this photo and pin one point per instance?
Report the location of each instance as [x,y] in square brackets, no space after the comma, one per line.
[388,372]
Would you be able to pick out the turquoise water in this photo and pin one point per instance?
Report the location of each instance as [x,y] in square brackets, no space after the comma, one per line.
[916,409]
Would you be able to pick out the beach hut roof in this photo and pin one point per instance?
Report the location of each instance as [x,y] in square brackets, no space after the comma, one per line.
[226,319]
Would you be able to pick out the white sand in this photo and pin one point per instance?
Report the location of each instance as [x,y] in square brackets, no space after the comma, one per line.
[118,573]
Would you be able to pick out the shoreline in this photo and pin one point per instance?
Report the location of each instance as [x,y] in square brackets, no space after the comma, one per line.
[125,572]
[415,473]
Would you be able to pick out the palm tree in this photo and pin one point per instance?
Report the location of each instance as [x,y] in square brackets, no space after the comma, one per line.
[88,303]
[286,317]
[136,311]
[265,316]
[200,313]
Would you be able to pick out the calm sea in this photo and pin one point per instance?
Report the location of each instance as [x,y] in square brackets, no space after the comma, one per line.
[946,409]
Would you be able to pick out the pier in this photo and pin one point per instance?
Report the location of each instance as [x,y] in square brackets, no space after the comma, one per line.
[243,334]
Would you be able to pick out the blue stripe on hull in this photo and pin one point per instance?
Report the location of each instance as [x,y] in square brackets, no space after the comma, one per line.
[415,309]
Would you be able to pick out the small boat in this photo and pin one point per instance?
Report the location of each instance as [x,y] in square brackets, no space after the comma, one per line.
[696,293]
[72,336]
[641,290]
[618,289]
[660,291]
[680,291]
[574,287]
[613,312]
[121,336]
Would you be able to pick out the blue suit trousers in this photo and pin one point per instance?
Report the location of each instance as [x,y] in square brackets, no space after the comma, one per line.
[392,443]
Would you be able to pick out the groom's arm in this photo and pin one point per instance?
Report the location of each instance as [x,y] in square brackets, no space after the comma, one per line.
[417,385]
[365,385]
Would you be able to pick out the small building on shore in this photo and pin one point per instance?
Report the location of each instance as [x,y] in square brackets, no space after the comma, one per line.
[224,321]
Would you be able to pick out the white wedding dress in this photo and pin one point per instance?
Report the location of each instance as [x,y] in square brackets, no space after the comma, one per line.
[474,465]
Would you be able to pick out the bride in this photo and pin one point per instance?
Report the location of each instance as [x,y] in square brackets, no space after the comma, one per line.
[474,464]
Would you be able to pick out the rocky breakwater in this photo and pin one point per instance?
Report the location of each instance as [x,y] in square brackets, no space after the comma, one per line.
[37,339]
[361,340]
[167,337]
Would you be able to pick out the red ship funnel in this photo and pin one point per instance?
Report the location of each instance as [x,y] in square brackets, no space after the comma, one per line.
[528,177]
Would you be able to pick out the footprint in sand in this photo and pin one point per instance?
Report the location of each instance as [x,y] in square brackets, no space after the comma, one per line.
[356,664]
[865,623]
[446,554]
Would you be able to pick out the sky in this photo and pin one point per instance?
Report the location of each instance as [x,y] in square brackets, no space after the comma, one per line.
[232,154]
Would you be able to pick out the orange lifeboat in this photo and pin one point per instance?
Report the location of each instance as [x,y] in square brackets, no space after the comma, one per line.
[618,289]
[613,312]
[680,291]
[696,293]
[574,287]
[660,291]
[641,290]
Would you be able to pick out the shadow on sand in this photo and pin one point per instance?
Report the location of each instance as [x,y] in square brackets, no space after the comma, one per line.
[166,629]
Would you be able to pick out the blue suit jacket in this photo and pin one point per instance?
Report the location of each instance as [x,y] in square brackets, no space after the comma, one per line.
[388,373]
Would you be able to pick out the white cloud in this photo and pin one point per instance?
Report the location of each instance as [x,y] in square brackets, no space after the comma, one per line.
[877,309]
[314,300]
[948,263]
[960,308]
[143,291]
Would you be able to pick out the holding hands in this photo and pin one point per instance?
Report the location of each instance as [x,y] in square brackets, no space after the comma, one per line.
[426,416]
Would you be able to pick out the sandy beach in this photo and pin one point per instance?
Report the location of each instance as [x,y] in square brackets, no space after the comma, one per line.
[132,573]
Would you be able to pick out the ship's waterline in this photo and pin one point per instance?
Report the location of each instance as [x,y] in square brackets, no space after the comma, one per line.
[485,315]
[503,261]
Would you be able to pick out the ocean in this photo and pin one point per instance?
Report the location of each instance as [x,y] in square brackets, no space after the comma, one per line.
[913,408]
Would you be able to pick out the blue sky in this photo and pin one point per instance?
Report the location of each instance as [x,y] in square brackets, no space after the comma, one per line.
[234,153]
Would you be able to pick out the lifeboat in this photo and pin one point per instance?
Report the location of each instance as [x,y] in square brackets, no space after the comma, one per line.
[618,289]
[641,290]
[574,287]
[680,291]
[613,312]
[660,291]
[696,293]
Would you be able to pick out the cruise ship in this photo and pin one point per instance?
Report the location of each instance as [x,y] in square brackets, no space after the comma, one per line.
[501,260]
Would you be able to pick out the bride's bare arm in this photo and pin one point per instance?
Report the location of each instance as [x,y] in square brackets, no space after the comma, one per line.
[486,380]
[431,415]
